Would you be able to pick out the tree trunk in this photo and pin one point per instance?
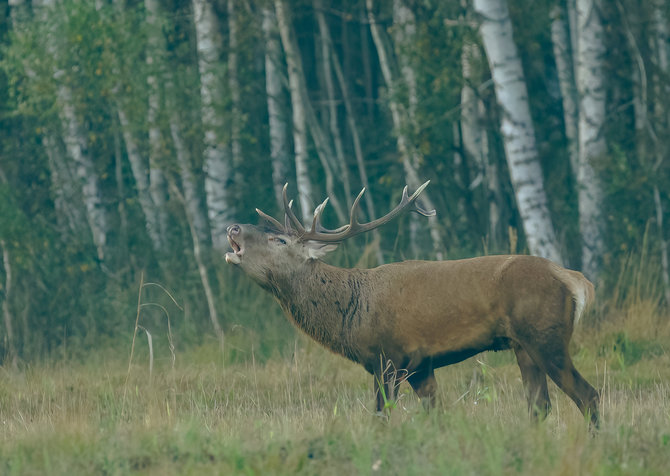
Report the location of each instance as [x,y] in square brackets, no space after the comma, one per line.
[475,141]
[66,190]
[563,54]
[592,146]
[517,128]
[197,222]
[404,29]
[76,144]
[298,111]
[154,58]
[279,147]
[324,30]
[234,86]
[141,175]
[8,317]
[218,167]
[399,117]
[333,120]
[662,121]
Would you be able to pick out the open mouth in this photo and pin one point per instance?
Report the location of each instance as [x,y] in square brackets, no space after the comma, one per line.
[236,255]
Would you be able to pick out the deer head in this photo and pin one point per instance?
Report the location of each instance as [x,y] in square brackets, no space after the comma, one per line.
[259,250]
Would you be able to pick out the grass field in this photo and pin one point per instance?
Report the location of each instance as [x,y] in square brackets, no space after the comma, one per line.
[306,411]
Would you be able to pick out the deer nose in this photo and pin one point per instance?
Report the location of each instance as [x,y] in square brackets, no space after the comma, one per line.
[234,230]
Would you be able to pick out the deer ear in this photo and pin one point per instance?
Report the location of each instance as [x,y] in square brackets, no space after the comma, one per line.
[317,249]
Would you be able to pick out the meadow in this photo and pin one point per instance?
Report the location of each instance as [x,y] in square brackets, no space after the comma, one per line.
[204,409]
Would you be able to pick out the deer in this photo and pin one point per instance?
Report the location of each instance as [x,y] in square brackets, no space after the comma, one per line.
[409,318]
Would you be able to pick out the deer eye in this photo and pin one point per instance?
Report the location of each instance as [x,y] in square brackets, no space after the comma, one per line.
[281,241]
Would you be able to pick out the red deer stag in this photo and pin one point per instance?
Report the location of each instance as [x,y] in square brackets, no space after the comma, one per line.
[421,315]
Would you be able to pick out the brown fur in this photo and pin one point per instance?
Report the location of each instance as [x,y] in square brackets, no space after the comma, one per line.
[416,316]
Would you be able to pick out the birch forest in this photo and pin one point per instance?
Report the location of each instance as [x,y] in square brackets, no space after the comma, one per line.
[134,132]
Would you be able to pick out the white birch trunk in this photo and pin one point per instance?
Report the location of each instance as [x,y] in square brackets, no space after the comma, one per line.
[234,86]
[298,111]
[8,316]
[399,118]
[197,222]
[138,165]
[65,187]
[662,118]
[333,118]
[404,29]
[140,172]
[66,190]
[218,169]
[475,140]
[192,198]
[324,30]
[563,54]
[517,128]
[279,147]
[155,61]
[76,145]
[591,86]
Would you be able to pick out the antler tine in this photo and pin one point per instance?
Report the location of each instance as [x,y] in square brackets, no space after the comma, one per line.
[417,208]
[318,211]
[318,233]
[289,213]
[267,217]
[353,216]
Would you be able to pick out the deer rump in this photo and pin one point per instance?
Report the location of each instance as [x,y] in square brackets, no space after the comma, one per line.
[407,319]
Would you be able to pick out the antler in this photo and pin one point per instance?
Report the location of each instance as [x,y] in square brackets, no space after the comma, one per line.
[319,233]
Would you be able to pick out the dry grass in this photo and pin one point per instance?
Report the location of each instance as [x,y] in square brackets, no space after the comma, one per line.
[310,412]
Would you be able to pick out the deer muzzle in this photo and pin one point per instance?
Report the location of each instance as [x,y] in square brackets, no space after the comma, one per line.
[238,251]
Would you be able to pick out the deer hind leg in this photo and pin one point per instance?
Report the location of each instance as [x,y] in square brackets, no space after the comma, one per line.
[553,357]
[424,384]
[535,384]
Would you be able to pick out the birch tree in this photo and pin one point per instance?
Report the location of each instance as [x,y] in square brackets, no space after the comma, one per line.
[661,52]
[298,112]
[592,146]
[197,221]
[305,118]
[65,187]
[234,87]
[563,55]
[155,50]
[517,128]
[324,30]
[7,314]
[475,140]
[333,117]
[279,147]
[76,141]
[400,122]
[218,167]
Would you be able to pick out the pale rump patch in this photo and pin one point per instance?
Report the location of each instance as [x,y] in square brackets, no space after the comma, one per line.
[581,288]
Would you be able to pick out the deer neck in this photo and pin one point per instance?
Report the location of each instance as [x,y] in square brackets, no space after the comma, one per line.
[325,302]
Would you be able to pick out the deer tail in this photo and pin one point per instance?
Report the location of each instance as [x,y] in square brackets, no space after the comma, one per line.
[583,291]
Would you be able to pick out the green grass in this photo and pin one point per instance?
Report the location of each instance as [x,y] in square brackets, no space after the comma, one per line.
[302,410]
